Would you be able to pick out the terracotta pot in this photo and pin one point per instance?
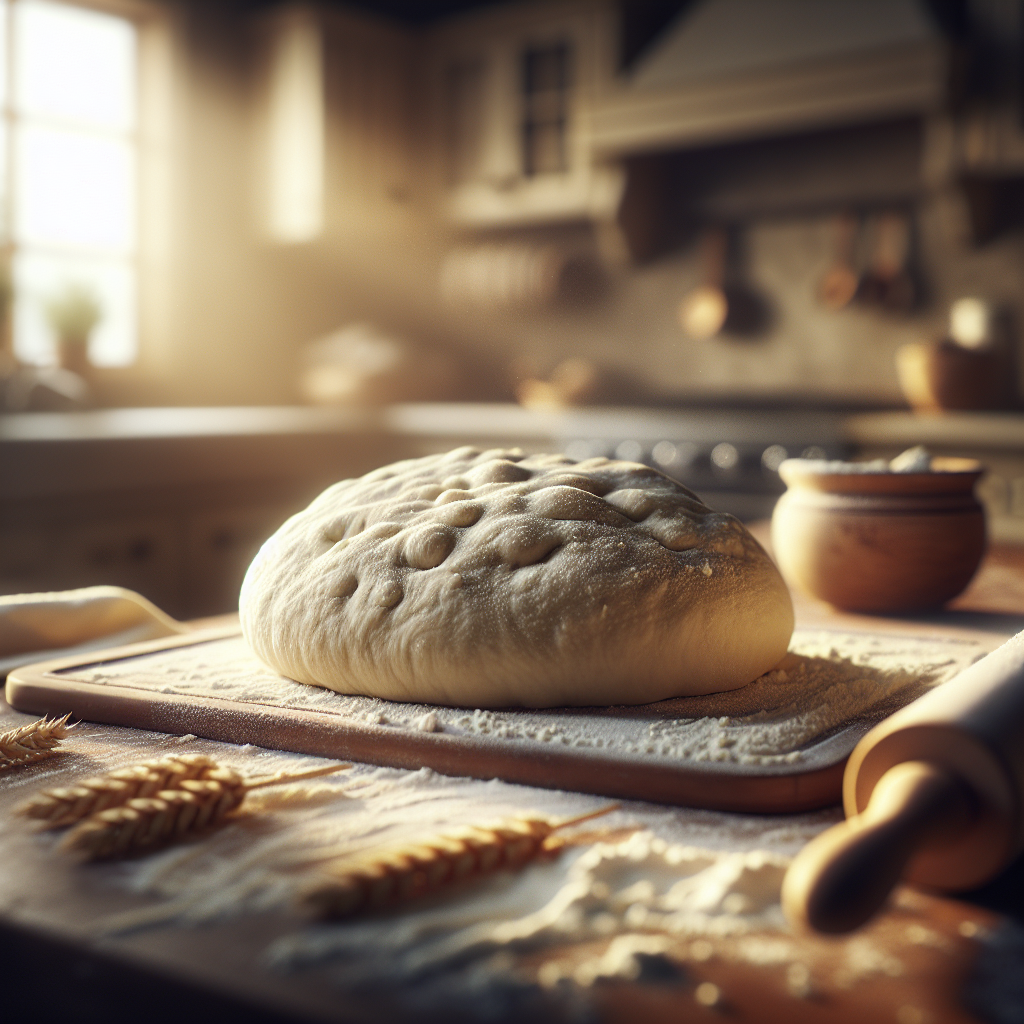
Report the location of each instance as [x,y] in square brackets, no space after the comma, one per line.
[880,542]
[943,377]
[73,355]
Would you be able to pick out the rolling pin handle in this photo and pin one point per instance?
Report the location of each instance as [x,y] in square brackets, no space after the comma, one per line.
[844,876]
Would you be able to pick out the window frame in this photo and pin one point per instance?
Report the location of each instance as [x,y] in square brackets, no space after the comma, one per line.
[151,24]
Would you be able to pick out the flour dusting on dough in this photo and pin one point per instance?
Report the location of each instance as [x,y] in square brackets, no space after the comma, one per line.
[495,579]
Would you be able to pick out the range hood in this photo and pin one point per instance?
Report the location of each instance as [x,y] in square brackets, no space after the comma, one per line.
[729,70]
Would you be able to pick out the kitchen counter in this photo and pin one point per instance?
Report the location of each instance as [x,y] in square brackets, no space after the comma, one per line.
[959,430]
[174,503]
[56,917]
[984,429]
[54,453]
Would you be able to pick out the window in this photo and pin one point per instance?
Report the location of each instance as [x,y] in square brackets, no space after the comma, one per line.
[545,108]
[68,77]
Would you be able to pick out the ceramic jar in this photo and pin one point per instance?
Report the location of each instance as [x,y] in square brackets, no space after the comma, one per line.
[879,541]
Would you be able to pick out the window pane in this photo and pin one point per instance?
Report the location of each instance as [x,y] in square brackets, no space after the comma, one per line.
[5,184]
[3,52]
[74,189]
[545,82]
[5,228]
[38,277]
[74,64]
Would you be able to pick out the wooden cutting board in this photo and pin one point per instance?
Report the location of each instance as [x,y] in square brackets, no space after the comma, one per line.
[209,684]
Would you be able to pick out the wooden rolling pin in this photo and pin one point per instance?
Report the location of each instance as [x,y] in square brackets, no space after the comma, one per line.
[933,795]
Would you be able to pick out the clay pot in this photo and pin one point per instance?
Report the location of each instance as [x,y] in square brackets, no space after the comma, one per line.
[880,542]
[943,377]
[73,354]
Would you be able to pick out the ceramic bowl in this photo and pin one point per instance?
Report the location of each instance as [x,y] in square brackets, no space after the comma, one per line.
[879,541]
[943,376]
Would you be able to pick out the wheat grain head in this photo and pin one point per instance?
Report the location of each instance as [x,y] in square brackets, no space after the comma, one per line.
[389,877]
[146,822]
[32,742]
[143,823]
[70,804]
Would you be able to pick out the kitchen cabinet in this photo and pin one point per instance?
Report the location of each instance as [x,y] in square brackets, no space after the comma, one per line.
[172,503]
[509,91]
[537,120]
[188,564]
[139,552]
[534,113]
[219,544]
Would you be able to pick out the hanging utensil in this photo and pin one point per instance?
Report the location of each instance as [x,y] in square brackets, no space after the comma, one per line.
[887,282]
[840,283]
[704,311]
[900,293]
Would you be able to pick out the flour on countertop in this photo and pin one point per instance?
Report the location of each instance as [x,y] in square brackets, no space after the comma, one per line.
[829,682]
[640,884]
[687,887]
[258,859]
[650,896]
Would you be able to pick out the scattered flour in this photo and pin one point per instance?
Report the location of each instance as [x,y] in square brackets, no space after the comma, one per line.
[643,884]
[686,889]
[829,683]
[428,722]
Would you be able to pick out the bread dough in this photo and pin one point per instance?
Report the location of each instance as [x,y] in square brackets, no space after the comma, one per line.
[492,579]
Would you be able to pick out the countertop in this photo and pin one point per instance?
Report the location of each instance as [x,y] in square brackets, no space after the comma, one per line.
[442,418]
[52,912]
[49,454]
[980,429]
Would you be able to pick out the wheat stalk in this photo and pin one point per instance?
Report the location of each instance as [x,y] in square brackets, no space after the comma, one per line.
[145,822]
[32,742]
[61,807]
[382,878]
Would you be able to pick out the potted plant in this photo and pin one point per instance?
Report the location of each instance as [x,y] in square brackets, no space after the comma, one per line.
[73,312]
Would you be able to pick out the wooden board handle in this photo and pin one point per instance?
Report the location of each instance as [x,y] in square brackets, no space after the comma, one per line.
[841,878]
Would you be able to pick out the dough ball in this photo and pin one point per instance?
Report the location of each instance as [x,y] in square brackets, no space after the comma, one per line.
[493,579]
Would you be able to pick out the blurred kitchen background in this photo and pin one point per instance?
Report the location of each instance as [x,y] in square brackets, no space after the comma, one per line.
[250,249]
